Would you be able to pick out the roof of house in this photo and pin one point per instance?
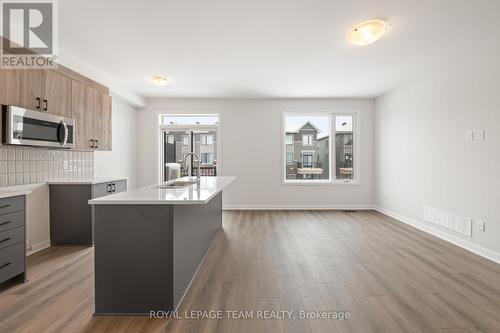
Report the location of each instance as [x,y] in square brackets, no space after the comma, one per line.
[304,125]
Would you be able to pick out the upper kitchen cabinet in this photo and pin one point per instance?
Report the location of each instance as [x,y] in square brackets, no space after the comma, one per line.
[3,86]
[82,109]
[91,109]
[23,88]
[56,93]
[102,121]
[40,90]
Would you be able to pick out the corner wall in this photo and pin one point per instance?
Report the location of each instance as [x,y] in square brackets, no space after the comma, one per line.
[422,156]
[251,150]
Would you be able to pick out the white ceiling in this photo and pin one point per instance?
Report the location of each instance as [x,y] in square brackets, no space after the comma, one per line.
[270,48]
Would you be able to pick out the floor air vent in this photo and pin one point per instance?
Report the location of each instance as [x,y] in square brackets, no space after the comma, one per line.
[457,223]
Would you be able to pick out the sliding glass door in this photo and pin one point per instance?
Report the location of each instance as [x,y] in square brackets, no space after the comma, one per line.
[180,139]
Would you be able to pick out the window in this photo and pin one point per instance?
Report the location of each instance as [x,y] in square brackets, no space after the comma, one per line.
[316,159]
[207,140]
[179,120]
[307,139]
[344,147]
[207,158]
[307,160]
[289,139]
[180,134]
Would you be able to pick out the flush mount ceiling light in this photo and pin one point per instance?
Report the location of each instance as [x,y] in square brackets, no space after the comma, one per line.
[160,80]
[367,32]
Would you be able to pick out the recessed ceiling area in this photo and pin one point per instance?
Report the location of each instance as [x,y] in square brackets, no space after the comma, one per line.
[269,49]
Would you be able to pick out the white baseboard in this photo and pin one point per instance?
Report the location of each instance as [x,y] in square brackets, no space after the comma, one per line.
[463,243]
[295,207]
[38,247]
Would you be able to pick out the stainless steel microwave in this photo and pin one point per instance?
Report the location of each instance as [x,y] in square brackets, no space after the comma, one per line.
[33,128]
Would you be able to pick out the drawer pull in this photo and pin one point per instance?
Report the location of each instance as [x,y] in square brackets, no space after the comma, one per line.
[4,206]
[5,240]
[4,223]
[5,265]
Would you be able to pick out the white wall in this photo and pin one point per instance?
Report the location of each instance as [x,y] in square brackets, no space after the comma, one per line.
[251,150]
[422,156]
[121,161]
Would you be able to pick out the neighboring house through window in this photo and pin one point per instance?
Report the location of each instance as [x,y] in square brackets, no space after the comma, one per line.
[207,139]
[307,139]
[314,158]
[207,158]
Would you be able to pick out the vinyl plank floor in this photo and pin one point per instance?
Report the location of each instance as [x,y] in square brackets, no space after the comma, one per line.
[388,276]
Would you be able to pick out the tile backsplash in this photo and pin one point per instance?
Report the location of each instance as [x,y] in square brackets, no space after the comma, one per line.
[26,165]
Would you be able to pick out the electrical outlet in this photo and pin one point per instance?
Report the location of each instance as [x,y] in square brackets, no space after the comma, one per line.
[481,225]
[481,135]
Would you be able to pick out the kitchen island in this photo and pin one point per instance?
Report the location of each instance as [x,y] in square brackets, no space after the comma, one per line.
[150,242]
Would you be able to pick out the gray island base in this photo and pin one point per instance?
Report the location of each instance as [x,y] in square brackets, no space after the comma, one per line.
[146,253]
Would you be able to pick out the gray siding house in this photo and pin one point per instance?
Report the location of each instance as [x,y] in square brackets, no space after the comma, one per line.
[308,154]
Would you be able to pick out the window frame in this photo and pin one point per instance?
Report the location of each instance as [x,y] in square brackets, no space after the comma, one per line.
[310,140]
[180,127]
[204,137]
[333,181]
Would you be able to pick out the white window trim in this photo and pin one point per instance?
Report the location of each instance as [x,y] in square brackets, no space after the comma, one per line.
[161,128]
[331,147]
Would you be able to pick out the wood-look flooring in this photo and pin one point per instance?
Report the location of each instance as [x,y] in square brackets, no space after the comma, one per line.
[391,277]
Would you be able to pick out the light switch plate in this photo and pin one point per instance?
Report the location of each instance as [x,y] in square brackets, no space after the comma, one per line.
[469,135]
[481,135]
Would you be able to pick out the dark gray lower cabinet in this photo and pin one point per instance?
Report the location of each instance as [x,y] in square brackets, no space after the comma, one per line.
[71,217]
[12,239]
[147,255]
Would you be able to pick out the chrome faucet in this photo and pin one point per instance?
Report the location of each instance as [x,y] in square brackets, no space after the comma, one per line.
[199,162]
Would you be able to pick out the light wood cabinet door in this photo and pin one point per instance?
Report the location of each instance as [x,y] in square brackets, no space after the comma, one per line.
[106,129]
[3,87]
[82,110]
[24,88]
[102,120]
[56,94]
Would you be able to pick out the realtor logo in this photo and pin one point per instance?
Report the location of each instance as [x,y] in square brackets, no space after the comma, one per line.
[29,30]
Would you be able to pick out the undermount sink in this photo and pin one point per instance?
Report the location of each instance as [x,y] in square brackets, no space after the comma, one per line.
[180,183]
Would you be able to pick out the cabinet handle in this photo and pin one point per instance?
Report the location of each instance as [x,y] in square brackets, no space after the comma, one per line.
[114,187]
[4,223]
[38,103]
[91,143]
[109,188]
[4,206]
[5,265]
[96,144]
[5,240]
[45,105]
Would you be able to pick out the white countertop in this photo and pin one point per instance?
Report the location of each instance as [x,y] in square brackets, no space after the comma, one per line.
[94,181]
[153,195]
[14,191]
